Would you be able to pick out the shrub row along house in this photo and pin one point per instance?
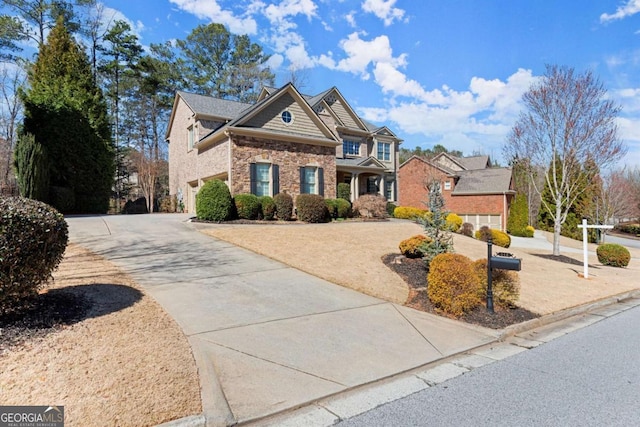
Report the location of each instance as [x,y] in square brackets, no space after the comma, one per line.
[471,188]
[285,142]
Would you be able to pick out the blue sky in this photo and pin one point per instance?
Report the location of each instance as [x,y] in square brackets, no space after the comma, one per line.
[436,72]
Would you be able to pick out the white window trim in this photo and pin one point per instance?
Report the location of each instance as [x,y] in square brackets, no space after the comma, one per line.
[270,175]
[447,185]
[191,137]
[282,118]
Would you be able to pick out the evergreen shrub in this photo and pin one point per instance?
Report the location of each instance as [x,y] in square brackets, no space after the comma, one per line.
[247,206]
[529,231]
[214,202]
[518,218]
[412,247]
[284,206]
[344,191]
[505,284]
[371,206]
[454,222]
[453,286]
[33,238]
[499,238]
[267,207]
[138,206]
[312,208]
[63,199]
[408,212]
[613,254]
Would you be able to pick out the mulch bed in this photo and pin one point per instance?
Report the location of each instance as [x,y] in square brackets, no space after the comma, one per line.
[414,273]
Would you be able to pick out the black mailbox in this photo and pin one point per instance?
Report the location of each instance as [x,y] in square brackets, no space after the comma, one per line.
[505,263]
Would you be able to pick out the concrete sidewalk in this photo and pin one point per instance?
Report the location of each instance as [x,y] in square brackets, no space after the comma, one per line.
[267,337]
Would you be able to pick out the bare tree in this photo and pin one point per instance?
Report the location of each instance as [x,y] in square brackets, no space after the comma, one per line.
[12,77]
[568,122]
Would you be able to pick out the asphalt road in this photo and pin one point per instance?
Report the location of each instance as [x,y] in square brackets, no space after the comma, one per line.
[630,243]
[590,377]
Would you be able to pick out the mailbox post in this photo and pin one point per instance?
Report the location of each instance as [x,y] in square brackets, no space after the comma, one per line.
[503,262]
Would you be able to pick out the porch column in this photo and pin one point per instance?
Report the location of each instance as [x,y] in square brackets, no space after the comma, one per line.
[355,185]
[381,186]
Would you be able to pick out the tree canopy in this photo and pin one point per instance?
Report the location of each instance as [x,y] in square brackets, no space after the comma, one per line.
[568,123]
[66,114]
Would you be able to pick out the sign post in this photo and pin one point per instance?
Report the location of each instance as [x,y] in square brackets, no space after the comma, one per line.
[584,227]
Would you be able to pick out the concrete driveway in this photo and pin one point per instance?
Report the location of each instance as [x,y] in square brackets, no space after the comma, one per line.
[267,337]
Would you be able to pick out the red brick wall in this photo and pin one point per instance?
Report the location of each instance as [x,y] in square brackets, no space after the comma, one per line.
[412,177]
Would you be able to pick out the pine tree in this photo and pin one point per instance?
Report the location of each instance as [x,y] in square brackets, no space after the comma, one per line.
[31,160]
[66,112]
[435,226]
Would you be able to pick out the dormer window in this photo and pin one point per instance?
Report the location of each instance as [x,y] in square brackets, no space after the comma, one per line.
[287,117]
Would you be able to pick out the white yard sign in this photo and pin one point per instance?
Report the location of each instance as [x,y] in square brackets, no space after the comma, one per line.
[584,227]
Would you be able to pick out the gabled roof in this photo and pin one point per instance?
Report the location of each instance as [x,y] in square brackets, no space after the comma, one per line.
[450,157]
[475,162]
[236,124]
[360,162]
[433,164]
[210,106]
[483,181]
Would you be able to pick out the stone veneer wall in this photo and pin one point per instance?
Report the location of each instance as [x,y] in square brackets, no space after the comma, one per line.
[289,156]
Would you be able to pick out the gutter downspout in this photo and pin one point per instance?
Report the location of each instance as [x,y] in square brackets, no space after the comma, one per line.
[229,161]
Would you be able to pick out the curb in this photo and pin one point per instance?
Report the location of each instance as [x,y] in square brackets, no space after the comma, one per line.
[547,319]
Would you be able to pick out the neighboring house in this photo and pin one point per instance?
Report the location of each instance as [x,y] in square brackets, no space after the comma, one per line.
[285,142]
[471,188]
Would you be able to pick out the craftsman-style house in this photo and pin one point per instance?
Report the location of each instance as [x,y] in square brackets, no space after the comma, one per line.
[471,188]
[285,142]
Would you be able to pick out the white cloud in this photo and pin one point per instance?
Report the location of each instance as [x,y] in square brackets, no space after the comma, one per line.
[477,119]
[279,13]
[631,7]
[383,10]
[360,53]
[210,9]
[350,18]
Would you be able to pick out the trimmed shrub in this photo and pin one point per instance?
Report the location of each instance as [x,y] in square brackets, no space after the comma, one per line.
[312,208]
[629,228]
[247,206]
[499,238]
[344,208]
[408,212]
[33,237]
[338,208]
[284,206]
[412,247]
[505,284]
[467,229]
[518,218]
[344,191]
[454,222]
[214,202]
[371,206]
[529,231]
[452,284]
[391,207]
[613,254]
[267,207]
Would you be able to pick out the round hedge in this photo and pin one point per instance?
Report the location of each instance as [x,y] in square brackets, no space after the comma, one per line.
[505,284]
[268,207]
[247,206]
[613,254]
[284,206]
[412,247]
[214,202]
[452,284]
[499,238]
[312,208]
[33,238]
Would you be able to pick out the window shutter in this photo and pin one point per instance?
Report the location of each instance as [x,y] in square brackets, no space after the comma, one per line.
[252,177]
[301,179]
[275,179]
[321,182]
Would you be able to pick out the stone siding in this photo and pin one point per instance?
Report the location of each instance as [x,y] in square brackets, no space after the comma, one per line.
[289,156]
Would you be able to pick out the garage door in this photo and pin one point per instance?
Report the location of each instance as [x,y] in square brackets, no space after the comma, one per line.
[477,220]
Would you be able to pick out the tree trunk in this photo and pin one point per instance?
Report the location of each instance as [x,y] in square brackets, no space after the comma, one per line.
[557,226]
